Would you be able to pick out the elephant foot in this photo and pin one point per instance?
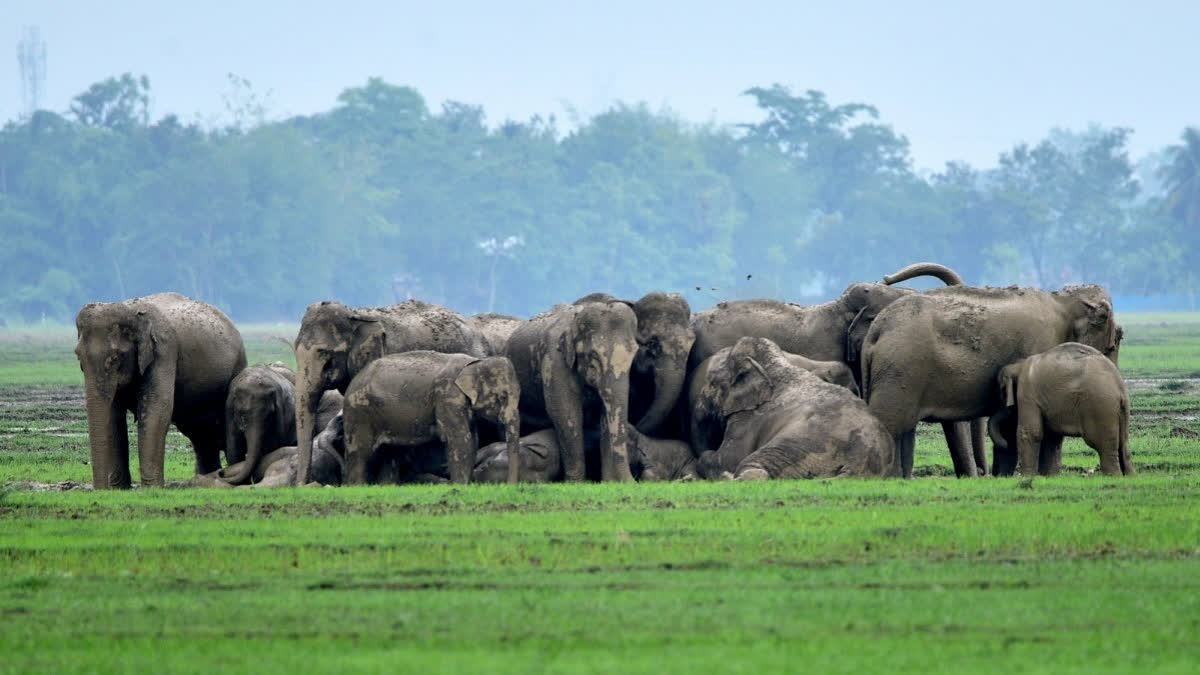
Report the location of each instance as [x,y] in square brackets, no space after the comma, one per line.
[725,475]
[753,474]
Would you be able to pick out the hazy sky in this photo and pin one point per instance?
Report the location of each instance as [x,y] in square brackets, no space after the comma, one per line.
[962,80]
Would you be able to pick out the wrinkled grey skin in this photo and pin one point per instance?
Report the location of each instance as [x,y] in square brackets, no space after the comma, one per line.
[782,421]
[651,459]
[495,329]
[1068,390]
[166,358]
[935,356]
[664,338]
[422,397]
[705,425]
[818,332]
[573,363]
[260,416]
[336,342]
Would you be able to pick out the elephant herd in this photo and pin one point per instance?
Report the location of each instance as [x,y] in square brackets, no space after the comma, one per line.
[615,390]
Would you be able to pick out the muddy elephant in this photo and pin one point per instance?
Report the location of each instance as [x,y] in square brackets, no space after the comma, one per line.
[495,330]
[423,397]
[781,421]
[818,332]
[166,358]
[573,363]
[705,427]
[935,356]
[336,342]
[650,459]
[664,338]
[260,416]
[1068,390]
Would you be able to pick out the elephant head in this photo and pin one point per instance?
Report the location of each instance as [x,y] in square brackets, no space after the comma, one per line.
[598,342]
[1093,323]
[118,344]
[493,392]
[260,415]
[334,342]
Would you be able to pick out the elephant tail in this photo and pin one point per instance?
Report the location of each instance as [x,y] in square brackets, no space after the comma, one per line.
[922,269]
[1123,449]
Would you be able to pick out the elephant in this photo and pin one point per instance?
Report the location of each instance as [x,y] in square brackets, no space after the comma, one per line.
[167,358]
[935,356]
[664,337]
[495,329]
[650,459]
[781,421]
[281,466]
[705,435]
[336,342]
[818,332]
[426,397]
[260,416]
[1068,390]
[572,360]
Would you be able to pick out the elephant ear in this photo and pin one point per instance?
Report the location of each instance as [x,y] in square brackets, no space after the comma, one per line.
[751,388]
[371,342]
[566,345]
[285,409]
[467,382]
[147,341]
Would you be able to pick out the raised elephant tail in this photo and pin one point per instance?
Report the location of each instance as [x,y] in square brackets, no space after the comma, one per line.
[1123,449]
[921,269]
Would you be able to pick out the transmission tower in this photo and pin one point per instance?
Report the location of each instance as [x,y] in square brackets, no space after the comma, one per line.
[31,55]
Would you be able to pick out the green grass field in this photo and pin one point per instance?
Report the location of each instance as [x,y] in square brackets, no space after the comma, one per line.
[1078,573]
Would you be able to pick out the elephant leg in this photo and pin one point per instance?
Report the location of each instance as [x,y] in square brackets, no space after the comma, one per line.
[1050,454]
[979,444]
[359,448]
[905,446]
[960,450]
[207,439]
[1029,439]
[120,444]
[456,431]
[152,447]
[564,406]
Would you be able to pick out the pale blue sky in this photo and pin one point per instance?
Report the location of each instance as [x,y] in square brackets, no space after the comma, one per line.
[963,80]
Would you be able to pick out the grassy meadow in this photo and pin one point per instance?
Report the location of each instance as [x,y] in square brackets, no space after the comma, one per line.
[1076,573]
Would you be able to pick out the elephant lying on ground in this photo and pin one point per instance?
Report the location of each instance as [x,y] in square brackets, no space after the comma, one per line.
[336,342]
[573,363]
[424,397]
[166,358]
[260,416]
[651,459]
[280,466]
[1068,390]
[935,356]
[781,421]
[705,427]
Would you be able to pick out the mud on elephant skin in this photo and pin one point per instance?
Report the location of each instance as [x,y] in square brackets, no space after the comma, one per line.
[573,363]
[1068,390]
[260,416]
[336,342]
[425,397]
[781,421]
[166,358]
[935,356]
[495,329]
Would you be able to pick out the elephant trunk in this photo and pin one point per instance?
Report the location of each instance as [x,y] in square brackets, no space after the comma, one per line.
[110,468]
[512,442]
[309,388]
[254,442]
[996,432]
[947,275]
[614,446]
[668,384]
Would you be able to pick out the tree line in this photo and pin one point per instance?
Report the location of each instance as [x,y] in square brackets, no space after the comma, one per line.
[382,198]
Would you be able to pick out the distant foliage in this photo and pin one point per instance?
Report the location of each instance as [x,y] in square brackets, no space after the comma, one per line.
[381,198]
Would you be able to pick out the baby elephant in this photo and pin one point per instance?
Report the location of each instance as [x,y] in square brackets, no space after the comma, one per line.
[260,416]
[781,421]
[1068,390]
[415,398]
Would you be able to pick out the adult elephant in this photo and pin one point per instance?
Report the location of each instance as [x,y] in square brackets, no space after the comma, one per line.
[336,342]
[935,356]
[260,416]
[166,358]
[664,338]
[573,363]
[495,329]
[818,332]
[781,421]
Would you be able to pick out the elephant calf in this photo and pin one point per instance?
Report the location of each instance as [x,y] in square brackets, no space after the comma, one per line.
[420,398]
[650,459]
[260,416]
[1068,390]
[781,421]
